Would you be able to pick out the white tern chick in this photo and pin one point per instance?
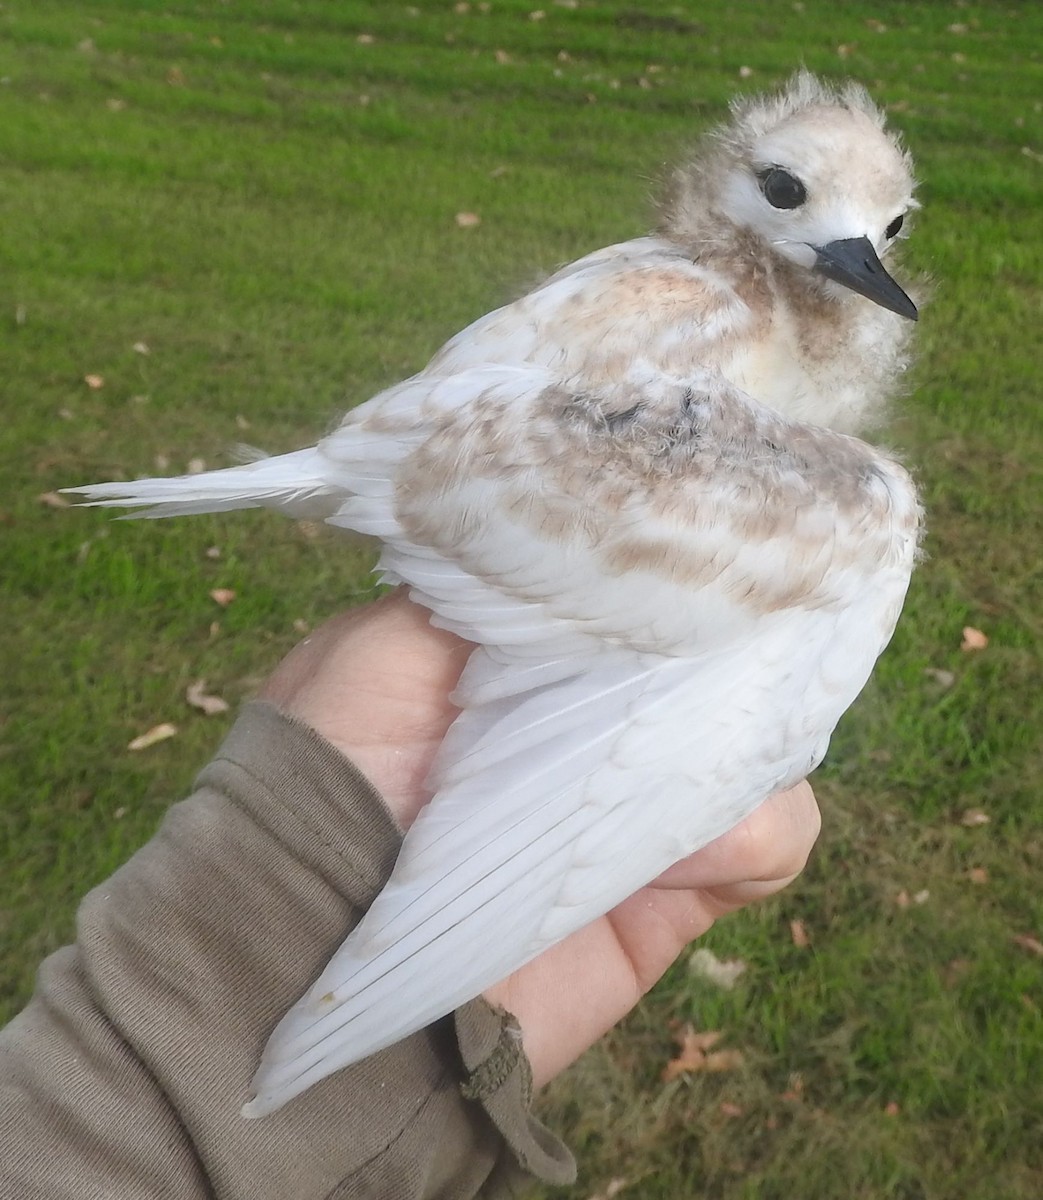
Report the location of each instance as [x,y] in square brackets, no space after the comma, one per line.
[636,491]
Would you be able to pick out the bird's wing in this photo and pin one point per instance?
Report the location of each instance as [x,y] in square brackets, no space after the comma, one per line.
[673,606]
[546,517]
[642,300]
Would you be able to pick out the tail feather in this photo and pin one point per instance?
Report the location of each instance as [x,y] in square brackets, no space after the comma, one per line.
[298,484]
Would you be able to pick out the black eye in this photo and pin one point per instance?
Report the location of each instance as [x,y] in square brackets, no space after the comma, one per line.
[892,229]
[781,189]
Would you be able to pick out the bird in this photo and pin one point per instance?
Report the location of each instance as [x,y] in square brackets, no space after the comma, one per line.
[640,492]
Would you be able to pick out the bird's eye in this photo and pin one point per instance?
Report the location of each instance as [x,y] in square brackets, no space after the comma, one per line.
[781,189]
[892,229]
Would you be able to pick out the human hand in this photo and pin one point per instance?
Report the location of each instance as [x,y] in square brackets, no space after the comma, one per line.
[375,682]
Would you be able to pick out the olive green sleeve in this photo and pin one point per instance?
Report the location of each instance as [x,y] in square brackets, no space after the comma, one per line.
[125,1074]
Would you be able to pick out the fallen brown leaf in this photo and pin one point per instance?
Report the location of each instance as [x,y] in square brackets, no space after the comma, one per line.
[94,381]
[891,1109]
[978,875]
[52,500]
[799,935]
[974,817]
[955,970]
[213,552]
[158,733]
[1027,942]
[468,220]
[222,596]
[195,466]
[696,1054]
[196,695]
[973,639]
[731,1110]
[611,1189]
[941,677]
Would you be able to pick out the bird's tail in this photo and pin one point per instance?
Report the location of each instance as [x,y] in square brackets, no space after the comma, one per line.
[297,484]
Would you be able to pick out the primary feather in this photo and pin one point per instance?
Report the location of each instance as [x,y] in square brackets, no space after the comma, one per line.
[635,491]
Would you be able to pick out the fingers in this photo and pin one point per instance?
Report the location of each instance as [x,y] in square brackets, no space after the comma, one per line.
[756,858]
[375,682]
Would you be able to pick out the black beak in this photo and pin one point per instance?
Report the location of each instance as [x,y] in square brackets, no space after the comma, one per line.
[853,262]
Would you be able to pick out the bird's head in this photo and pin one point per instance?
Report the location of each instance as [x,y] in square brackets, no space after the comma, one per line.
[813,174]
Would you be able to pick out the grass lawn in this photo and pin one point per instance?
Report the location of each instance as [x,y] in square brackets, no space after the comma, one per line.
[236,220]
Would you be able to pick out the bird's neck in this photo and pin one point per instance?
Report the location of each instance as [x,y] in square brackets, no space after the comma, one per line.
[811,350]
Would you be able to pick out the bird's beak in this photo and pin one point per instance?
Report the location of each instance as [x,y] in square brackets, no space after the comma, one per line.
[853,262]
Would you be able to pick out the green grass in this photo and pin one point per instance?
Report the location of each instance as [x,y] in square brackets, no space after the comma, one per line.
[268,204]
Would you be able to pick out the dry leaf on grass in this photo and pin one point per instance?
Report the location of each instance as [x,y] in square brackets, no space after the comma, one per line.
[52,500]
[1027,942]
[891,1109]
[941,677]
[978,875]
[955,970]
[612,1188]
[141,348]
[799,934]
[731,1110]
[468,220]
[222,596]
[196,695]
[974,817]
[94,381]
[722,972]
[195,466]
[158,733]
[973,639]
[696,1054]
